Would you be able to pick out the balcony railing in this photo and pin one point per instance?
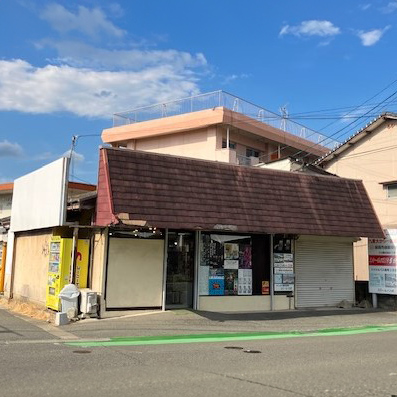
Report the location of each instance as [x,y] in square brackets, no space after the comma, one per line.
[229,101]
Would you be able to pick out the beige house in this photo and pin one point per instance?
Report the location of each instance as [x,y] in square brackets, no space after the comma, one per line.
[215,126]
[371,156]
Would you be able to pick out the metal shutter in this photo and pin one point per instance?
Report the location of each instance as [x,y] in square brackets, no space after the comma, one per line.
[324,271]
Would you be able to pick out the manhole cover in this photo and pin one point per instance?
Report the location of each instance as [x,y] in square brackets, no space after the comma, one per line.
[252,351]
[82,351]
[234,347]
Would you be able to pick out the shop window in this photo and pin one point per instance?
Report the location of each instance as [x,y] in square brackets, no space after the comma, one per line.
[232,145]
[252,152]
[392,190]
[233,265]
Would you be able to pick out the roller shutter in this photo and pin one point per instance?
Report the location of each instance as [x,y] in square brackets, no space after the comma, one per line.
[324,271]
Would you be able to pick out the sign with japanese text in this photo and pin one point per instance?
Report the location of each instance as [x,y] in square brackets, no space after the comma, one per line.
[383,263]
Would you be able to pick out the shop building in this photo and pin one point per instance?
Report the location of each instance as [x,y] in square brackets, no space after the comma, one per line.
[181,232]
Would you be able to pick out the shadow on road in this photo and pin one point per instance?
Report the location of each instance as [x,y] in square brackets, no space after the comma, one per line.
[284,315]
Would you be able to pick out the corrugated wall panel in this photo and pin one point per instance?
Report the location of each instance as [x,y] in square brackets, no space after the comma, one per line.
[324,272]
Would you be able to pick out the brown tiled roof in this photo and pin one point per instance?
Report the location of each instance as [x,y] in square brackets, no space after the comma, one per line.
[183,193]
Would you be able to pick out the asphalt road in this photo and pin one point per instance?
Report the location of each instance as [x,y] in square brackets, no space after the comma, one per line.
[34,362]
[360,365]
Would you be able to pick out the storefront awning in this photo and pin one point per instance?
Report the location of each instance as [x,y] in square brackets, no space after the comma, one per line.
[146,189]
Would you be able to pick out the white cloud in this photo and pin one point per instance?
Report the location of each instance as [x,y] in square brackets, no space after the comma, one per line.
[232,77]
[372,36]
[77,157]
[9,149]
[390,7]
[79,54]
[311,28]
[87,92]
[365,7]
[91,22]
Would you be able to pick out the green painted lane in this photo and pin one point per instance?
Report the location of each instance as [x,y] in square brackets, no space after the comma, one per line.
[229,337]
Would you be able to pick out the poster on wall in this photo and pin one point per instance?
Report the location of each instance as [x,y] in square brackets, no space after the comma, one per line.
[283,265]
[244,281]
[231,251]
[231,282]
[383,263]
[230,264]
[282,244]
[224,259]
[265,287]
[203,286]
[216,286]
[245,256]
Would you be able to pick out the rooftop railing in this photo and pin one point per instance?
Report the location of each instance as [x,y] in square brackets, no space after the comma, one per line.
[216,99]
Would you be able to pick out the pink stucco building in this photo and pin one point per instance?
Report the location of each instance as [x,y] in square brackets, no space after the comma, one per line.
[215,126]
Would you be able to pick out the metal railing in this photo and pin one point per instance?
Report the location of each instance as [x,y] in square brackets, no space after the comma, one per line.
[216,99]
[243,160]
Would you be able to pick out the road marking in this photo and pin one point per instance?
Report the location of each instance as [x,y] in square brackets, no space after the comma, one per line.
[227,337]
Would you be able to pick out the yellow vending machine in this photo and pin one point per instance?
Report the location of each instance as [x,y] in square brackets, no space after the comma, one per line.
[60,260]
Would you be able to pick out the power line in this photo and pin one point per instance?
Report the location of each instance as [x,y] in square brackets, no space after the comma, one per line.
[353,122]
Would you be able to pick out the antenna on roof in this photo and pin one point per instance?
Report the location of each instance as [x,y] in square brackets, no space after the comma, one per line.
[284,115]
[72,148]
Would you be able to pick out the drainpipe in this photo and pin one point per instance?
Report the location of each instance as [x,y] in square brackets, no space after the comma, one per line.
[74,251]
[3,266]
[165,269]
[271,274]
[196,270]
[227,137]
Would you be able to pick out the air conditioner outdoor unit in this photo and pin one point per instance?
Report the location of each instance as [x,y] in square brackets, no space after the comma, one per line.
[89,302]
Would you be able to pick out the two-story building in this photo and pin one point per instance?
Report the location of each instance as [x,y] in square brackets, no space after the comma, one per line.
[371,156]
[215,126]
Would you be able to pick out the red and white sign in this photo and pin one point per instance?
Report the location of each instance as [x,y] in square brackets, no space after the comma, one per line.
[383,263]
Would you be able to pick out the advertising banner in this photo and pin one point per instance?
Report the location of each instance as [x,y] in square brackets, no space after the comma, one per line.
[383,264]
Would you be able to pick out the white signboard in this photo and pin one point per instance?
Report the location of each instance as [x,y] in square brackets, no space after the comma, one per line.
[39,198]
[383,263]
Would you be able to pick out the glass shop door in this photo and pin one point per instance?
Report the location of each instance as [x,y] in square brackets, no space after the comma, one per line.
[180,270]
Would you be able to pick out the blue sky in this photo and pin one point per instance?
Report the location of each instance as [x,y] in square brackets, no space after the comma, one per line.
[66,67]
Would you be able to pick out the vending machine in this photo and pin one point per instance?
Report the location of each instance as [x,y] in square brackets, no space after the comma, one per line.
[60,259]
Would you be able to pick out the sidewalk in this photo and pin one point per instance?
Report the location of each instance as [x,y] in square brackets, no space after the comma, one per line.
[179,322]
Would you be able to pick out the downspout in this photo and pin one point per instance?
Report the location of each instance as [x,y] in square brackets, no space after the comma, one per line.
[196,270]
[271,274]
[164,292]
[74,251]
[3,266]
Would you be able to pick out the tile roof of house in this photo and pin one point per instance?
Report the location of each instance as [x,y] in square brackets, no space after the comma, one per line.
[181,193]
[356,137]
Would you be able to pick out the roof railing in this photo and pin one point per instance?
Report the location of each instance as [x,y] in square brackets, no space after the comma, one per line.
[217,99]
